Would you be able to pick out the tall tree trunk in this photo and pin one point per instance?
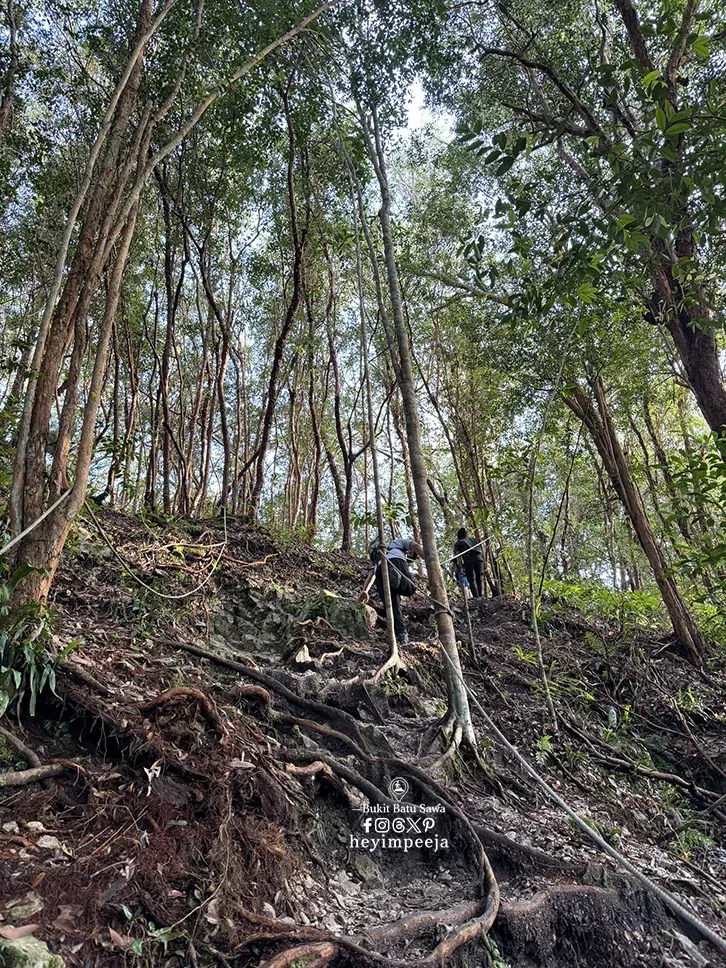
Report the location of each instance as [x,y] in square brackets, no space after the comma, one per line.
[600,425]
[299,238]
[458,699]
[43,546]
[7,92]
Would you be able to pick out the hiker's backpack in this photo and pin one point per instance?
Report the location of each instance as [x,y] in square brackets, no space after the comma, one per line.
[374,550]
[473,556]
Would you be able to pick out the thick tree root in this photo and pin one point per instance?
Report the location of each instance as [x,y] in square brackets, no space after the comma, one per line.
[316,767]
[472,922]
[73,669]
[576,924]
[245,691]
[30,757]
[23,778]
[186,692]
[322,953]
[394,663]
[339,716]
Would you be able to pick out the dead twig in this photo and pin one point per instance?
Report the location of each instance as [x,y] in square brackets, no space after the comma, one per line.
[250,564]
[697,746]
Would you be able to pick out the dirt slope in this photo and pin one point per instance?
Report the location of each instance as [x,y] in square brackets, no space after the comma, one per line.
[210,812]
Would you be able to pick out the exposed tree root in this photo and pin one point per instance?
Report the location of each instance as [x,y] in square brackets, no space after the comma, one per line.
[394,663]
[571,923]
[312,769]
[252,692]
[622,765]
[30,757]
[186,692]
[453,742]
[322,953]
[22,778]
[504,852]
[472,922]
[73,669]
[17,839]
[343,718]
[507,854]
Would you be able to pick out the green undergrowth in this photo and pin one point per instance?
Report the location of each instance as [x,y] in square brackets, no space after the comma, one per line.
[630,611]
[29,656]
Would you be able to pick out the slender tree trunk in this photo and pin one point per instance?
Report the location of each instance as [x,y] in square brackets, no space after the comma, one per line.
[458,699]
[299,237]
[600,425]
[7,92]
[43,546]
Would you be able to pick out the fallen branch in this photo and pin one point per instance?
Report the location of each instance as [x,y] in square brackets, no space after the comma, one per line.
[85,677]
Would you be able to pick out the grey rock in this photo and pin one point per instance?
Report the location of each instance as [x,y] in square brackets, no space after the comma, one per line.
[23,907]
[28,952]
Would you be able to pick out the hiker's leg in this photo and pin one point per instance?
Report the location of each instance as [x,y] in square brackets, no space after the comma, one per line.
[398,627]
[469,568]
[379,585]
[398,624]
[478,576]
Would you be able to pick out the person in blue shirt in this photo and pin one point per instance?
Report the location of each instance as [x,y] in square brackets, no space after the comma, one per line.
[398,551]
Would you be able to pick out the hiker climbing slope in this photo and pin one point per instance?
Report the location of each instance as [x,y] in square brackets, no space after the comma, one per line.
[398,552]
[467,551]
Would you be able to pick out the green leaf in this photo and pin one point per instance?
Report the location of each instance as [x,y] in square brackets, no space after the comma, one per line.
[587,293]
[660,118]
[650,77]
[506,164]
[673,130]
[702,46]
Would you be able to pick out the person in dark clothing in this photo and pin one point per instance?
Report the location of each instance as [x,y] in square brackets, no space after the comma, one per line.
[469,553]
[397,553]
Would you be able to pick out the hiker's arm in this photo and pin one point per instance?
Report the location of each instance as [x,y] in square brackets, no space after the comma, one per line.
[416,549]
[363,597]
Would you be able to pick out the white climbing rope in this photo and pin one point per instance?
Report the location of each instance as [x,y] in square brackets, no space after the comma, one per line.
[660,892]
[129,571]
[459,555]
[31,527]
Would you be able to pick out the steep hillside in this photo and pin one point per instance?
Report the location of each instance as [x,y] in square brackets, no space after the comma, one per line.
[197,787]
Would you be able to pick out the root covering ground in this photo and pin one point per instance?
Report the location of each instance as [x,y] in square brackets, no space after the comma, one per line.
[213,758]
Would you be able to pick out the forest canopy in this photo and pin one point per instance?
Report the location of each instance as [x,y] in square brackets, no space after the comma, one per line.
[223,226]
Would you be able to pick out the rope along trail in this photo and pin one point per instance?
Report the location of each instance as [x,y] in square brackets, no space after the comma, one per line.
[34,525]
[127,568]
[660,892]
